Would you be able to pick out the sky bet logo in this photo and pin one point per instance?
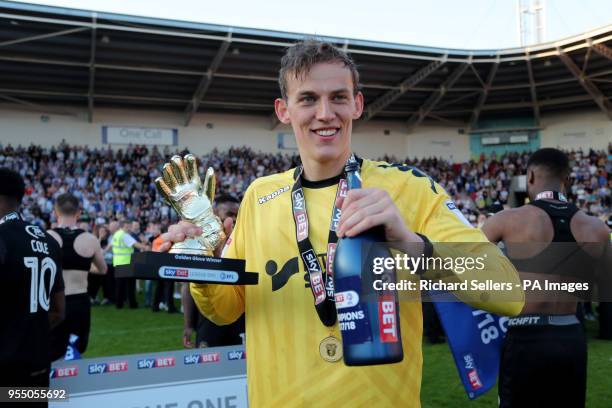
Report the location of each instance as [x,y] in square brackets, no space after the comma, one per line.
[474,379]
[236,355]
[113,367]
[156,362]
[178,272]
[62,372]
[202,358]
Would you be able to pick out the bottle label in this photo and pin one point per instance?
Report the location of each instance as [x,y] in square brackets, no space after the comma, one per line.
[352,315]
[387,316]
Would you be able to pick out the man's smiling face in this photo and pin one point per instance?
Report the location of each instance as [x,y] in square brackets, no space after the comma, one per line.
[321,106]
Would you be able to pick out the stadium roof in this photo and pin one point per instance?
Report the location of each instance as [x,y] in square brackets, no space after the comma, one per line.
[52,57]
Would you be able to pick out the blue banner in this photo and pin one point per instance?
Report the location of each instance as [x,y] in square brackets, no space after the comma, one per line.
[475,338]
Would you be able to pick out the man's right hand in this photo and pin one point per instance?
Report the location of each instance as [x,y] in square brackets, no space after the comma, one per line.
[184,229]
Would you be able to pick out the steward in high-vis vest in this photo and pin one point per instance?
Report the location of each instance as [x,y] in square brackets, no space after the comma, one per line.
[122,252]
[123,245]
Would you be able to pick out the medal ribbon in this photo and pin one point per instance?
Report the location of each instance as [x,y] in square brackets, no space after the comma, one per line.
[321,285]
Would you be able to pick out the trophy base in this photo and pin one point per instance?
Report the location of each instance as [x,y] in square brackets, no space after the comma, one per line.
[190,247]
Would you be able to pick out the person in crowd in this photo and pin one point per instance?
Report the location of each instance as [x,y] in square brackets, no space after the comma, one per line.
[79,250]
[99,177]
[95,282]
[122,245]
[163,298]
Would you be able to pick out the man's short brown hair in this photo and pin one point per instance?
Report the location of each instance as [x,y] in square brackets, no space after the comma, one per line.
[301,57]
[67,204]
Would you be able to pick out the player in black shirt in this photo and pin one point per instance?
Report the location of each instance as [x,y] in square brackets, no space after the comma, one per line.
[32,298]
[79,249]
[544,358]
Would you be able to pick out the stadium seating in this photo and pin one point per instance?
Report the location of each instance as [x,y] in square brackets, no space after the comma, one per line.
[119,183]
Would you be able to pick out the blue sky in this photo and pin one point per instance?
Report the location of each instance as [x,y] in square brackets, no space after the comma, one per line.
[471,24]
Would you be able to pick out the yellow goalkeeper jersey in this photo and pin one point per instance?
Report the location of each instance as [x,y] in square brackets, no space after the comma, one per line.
[283,330]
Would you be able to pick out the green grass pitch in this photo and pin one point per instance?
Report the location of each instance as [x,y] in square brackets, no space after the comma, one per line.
[116,332]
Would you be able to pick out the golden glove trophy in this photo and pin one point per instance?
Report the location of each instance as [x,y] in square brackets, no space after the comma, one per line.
[192,260]
[181,187]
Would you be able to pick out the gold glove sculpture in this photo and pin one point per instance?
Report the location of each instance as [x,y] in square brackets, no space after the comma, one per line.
[181,187]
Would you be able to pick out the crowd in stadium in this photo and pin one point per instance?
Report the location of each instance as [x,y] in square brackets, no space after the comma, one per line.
[119,183]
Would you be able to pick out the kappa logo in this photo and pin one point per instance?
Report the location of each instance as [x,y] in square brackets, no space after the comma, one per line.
[112,367]
[236,355]
[156,362]
[62,372]
[273,195]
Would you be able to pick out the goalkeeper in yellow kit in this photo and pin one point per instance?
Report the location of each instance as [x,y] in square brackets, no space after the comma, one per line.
[291,359]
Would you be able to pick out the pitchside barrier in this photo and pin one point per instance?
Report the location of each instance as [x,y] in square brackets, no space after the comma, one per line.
[196,378]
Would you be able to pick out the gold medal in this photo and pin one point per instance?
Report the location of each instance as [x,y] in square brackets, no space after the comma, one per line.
[330,349]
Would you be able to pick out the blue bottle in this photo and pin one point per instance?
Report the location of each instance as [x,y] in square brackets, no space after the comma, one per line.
[368,319]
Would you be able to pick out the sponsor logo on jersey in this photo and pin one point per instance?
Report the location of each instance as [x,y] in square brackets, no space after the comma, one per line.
[156,362]
[103,368]
[451,206]
[387,318]
[9,217]
[34,231]
[201,358]
[349,298]
[474,379]
[236,355]
[273,195]
[62,372]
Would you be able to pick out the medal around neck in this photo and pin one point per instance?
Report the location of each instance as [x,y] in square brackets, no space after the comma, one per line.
[330,349]
[193,259]
[181,187]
